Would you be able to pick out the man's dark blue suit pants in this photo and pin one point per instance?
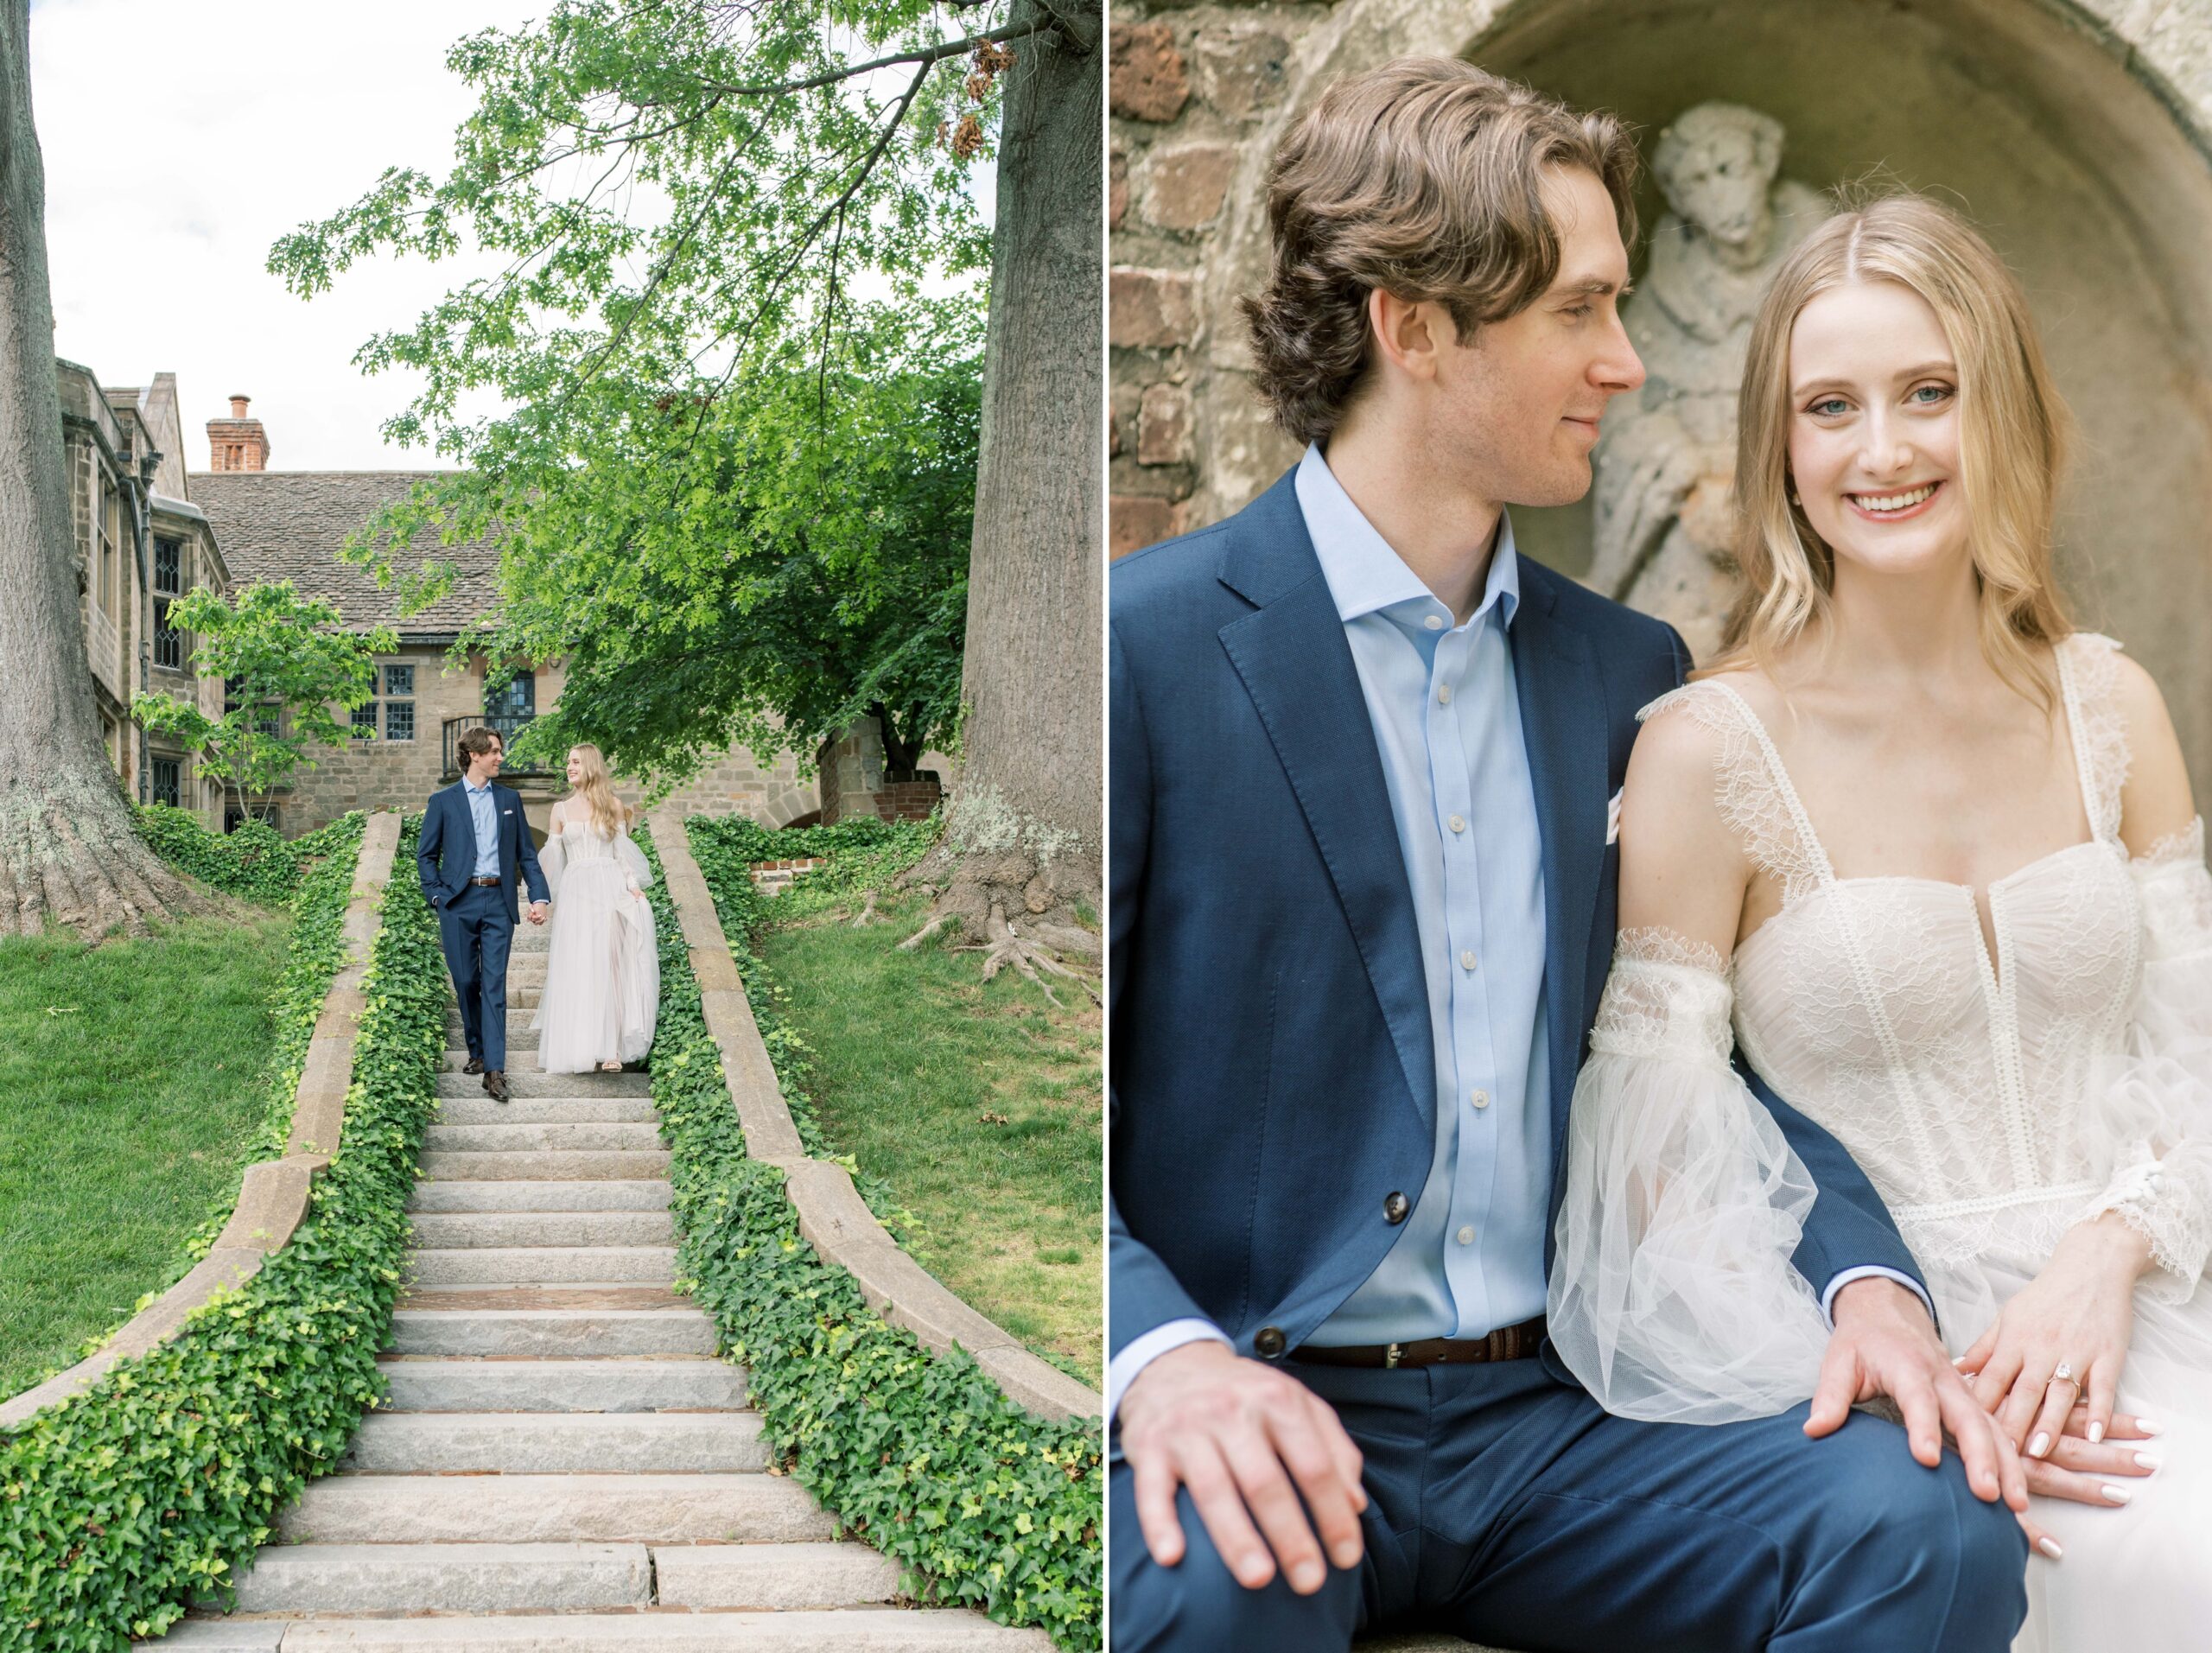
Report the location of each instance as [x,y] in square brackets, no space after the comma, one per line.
[1504,1505]
[476,928]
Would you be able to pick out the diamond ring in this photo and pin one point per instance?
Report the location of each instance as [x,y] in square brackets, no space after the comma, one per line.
[2064,1374]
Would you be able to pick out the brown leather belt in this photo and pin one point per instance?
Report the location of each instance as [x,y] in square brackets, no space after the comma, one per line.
[1507,1343]
[491,881]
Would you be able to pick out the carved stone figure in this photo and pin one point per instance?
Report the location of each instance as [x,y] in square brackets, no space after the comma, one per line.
[1663,522]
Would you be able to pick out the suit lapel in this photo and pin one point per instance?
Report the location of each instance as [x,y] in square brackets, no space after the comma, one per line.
[1297,667]
[1564,729]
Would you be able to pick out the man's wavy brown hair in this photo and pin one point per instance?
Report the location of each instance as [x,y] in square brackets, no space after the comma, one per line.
[1422,178]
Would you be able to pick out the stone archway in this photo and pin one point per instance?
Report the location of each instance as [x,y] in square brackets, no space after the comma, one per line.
[2074,132]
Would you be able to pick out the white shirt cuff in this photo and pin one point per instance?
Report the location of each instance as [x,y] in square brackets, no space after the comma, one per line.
[1875,1271]
[1121,1370]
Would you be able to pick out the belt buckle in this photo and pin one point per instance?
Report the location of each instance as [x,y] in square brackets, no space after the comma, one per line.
[1391,1358]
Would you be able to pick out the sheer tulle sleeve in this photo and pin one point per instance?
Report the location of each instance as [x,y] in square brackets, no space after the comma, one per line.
[552,858]
[1673,1297]
[2152,1123]
[637,871]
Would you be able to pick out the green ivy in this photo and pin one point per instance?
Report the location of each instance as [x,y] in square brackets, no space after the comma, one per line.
[923,1456]
[122,1505]
[251,861]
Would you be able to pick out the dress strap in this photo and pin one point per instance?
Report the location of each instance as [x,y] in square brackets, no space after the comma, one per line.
[1752,788]
[2089,674]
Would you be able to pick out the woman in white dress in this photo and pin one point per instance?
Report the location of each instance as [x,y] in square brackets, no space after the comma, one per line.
[1928,858]
[602,967]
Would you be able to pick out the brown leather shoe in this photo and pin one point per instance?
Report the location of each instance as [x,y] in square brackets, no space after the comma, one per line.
[495,1083]
[473,1064]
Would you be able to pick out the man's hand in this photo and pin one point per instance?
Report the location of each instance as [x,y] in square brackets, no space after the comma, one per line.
[1227,1427]
[537,912]
[1884,1343]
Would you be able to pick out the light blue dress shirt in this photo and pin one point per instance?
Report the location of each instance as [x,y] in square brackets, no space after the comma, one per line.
[1447,722]
[483,810]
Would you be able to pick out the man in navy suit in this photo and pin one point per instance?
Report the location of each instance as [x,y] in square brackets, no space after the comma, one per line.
[1362,906]
[474,839]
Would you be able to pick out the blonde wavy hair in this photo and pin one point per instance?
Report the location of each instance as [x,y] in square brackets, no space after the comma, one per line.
[2014,435]
[609,813]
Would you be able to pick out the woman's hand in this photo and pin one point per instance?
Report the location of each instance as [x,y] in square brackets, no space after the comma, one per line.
[2078,1311]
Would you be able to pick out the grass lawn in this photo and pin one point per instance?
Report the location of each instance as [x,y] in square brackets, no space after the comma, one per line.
[132,1075]
[978,1103]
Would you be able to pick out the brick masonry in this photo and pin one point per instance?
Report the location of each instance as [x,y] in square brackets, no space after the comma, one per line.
[1190,93]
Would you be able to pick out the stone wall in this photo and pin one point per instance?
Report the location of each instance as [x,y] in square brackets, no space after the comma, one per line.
[854,779]
[2074,132]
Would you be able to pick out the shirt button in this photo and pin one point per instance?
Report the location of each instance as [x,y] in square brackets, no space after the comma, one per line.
[1458,823]
[1443,695]
[1481,1098]
[1466,1236]
[1467,959]
[1434,622]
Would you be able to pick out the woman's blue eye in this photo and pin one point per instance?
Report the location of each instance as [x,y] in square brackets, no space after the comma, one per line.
[1940,392]
[1829,404]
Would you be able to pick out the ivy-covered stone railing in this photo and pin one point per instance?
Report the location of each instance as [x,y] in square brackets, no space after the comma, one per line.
[981,1502]
[832,1217]
[120,1505]
[273,1194]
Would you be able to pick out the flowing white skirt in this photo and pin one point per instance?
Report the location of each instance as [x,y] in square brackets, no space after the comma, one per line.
[603,971]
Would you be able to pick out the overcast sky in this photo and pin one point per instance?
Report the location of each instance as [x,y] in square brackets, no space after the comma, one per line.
[181,138]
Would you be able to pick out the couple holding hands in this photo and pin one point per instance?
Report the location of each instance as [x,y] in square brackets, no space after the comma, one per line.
[601,996]
[1607,1153]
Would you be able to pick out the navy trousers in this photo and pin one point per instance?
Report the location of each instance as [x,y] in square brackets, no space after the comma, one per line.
[1506,1506]
[477,927]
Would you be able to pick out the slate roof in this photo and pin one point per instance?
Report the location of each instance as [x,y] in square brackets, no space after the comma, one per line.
[288,524]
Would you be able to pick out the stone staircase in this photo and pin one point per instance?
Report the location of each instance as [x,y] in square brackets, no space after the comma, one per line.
[563,1463]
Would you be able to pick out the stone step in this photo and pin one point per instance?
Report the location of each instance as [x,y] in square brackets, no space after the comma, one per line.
[523,1137]
[546,1194]
[445,1578]
[478,1108]
[553,1509]
[613,1165]
[521,1057]
[552,1443]
[784,1577]
[629,1295]
[463,1094]
[454,1231]
[576,1333]
[671,1384]
[542,1264]
[882,1629]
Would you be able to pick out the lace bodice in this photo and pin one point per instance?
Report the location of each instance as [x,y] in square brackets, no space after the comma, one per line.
[577,843]
[1960,1077]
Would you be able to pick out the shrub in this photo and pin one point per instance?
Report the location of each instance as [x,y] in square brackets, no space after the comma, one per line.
[252,860]
[923,1456]
[119,1506]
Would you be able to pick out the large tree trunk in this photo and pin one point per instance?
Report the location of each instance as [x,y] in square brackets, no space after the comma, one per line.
[1023,830]
[68,852]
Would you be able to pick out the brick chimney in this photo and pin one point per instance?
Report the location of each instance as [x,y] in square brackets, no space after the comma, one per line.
[238,443]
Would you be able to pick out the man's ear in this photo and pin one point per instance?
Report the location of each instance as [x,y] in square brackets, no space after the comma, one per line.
[1406,333]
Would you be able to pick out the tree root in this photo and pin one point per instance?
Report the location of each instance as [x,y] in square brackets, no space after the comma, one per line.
[867,914]
[1007,946]
[925,932]
[77,863]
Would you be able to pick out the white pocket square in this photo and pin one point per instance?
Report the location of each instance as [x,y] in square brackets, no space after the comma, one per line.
[1613,820]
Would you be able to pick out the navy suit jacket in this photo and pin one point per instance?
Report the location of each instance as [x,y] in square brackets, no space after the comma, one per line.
[1273,1077]
[445,854]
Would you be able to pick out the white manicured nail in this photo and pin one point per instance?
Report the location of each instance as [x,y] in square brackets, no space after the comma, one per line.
[2116,1494]
[2149,1428]
[2050,1547]
[2149,1460]
[2039,1446]
[2096,1434]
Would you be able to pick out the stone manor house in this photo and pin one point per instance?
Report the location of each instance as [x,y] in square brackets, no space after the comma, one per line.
[148,531]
